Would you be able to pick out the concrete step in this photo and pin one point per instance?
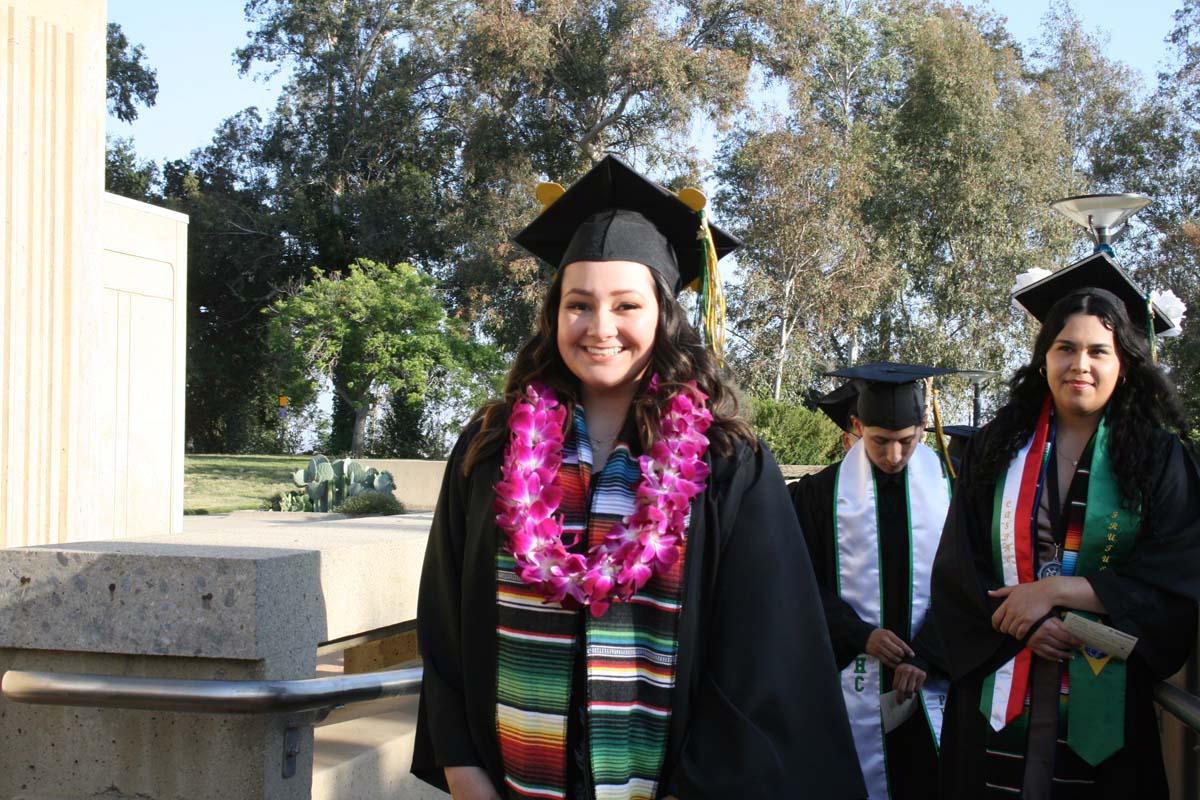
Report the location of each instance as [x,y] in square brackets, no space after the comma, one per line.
[369,758]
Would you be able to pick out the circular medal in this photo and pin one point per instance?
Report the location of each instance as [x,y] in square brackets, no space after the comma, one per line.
[1050,569]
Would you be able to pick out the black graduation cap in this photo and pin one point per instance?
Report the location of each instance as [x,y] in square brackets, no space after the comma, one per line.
[613,213]
[890,395]
[839,404]
[959,436]
[1097,271]
[963,432]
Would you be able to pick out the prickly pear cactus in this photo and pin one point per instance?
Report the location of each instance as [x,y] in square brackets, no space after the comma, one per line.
[317,480]
[328,485]
[384,482]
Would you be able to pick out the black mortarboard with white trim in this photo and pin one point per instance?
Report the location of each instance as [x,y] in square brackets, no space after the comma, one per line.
[1097,271]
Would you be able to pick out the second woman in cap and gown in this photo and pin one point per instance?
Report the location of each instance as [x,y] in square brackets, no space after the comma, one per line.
[1078,497]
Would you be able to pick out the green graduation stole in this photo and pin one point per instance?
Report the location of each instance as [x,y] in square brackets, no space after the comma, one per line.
[1097,728]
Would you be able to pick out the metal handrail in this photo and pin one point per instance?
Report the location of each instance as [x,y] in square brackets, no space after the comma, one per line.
[1183,704]
[310,694]
[207,696]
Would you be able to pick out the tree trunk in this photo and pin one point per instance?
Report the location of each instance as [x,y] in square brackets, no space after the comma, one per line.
[358,443]
[784,332]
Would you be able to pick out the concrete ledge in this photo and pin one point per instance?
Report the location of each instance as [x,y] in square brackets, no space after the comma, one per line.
[218,589]
[792,472]
[249,596]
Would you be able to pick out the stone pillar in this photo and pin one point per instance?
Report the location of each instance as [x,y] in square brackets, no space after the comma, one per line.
[52,112]
[247,597]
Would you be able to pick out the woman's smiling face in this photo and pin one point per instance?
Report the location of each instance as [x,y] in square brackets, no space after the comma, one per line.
[1082,366]
[607,319]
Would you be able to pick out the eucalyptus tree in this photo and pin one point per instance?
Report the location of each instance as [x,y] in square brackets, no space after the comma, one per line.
[794,194]
[974,153]
[551,86]
[923,153]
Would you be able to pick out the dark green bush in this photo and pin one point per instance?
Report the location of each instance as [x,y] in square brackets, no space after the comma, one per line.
[371,504]
[795,434]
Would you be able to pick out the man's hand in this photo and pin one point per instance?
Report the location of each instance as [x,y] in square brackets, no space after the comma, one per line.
[889,648]
[908,680]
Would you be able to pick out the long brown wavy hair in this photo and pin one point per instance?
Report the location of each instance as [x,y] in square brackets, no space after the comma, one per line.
[678,357]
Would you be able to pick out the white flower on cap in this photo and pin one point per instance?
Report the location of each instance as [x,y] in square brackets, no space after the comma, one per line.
[1027,278]
[1174,309]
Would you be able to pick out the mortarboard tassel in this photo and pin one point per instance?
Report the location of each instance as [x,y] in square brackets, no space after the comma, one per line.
[940,435]
[1150,330]
[712,295]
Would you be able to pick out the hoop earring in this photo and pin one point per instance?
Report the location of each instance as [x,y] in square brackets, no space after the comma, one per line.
[1042,370]
[1124,378]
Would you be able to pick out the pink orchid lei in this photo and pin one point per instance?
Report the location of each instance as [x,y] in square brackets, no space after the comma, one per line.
[643,544]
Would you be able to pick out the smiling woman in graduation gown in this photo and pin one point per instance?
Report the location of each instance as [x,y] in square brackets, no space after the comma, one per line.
[1029,712]
[716,680]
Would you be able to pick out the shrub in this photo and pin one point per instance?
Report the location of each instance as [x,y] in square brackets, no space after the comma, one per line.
[288,501]
[371,504]
[795,434]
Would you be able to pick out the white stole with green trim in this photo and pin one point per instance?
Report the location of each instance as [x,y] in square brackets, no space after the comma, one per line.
[856,530]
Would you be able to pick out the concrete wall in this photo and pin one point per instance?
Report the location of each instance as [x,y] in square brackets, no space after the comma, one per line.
[139,396]
[51,178]
[417,482]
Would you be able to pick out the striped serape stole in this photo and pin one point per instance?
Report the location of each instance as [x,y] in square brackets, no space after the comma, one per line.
[630,653]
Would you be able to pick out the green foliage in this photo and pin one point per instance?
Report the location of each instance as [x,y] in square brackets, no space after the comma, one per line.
[124,174]
[239,259]
[375,330]
[889,212]
[795,434]
[887,208]
[129,80]
[371,504]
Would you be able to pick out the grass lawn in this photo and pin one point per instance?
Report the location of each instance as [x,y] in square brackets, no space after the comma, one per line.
[220,484]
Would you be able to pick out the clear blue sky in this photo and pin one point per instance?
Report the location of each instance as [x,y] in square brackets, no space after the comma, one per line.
[191,44]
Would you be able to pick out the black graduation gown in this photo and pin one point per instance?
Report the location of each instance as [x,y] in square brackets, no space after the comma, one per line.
[912,756]
[1152,596]
[756,708]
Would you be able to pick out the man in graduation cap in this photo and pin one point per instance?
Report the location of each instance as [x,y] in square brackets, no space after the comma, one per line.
[841,405]
[872,524]
[616,600]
